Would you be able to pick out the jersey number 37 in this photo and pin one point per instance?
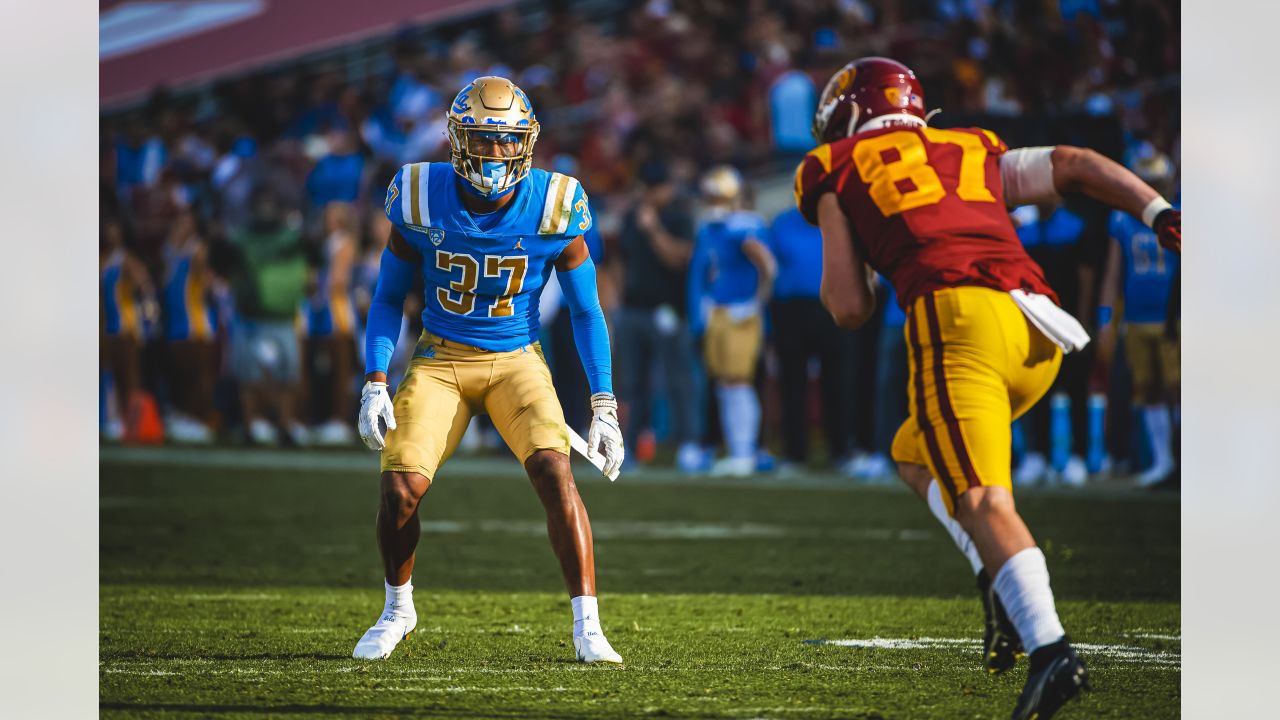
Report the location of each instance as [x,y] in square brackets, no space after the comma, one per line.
[460,297]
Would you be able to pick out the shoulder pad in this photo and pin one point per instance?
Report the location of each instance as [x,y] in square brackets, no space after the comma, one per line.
[565,209]
[407,203]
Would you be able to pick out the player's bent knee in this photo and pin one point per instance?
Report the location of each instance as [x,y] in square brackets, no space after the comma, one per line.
[401,494]
[985,501]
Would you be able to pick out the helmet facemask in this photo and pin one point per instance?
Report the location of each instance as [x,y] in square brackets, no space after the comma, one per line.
[491,159]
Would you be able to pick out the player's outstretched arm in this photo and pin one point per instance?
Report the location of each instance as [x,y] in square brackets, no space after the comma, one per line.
[577,274]
[386,311]
[845,290]
[1033,173]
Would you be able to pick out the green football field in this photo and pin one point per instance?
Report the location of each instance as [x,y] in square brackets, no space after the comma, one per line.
[235,583]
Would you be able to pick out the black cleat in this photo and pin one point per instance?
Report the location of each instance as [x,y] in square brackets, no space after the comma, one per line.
[1001,646]
[1057,674]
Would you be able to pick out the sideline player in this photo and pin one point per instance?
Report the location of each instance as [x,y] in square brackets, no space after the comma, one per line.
[732,270]
[1142,274]
[484,233]
[926,208]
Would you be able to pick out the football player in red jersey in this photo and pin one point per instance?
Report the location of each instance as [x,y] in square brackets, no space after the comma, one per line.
[927,208]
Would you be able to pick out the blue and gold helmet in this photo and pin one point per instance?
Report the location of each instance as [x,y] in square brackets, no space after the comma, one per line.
[490,112]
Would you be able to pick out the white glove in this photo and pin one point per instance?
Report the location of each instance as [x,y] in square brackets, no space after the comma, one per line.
[375,403]
[604,438]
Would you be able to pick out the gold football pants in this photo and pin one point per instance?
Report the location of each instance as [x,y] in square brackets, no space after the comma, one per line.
[976,365]
[448,382]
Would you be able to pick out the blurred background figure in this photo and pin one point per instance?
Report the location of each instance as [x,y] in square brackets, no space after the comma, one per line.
[269,282]
[329,314]
[1061,242]
[653,335]
[802,332]
[191,324]
[890,378]
[730,278]
[127,299]
[1139,279]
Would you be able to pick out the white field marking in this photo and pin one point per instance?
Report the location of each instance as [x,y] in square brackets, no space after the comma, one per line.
[1156,636]
[246,597]
[1123,653]
[663,530]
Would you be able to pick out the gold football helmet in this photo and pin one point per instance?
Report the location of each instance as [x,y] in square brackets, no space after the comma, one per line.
[722,184]
[492,129]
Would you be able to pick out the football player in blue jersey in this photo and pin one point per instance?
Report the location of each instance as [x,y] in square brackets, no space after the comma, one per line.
[1143,273]
[484,233]
[730,278]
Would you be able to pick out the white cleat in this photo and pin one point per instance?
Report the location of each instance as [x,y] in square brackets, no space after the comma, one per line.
[382,638]
[591,647]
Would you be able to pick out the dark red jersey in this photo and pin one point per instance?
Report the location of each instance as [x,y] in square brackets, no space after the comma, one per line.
[926,205]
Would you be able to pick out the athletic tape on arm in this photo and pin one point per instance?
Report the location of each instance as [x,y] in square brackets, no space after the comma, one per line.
[590,332]
[395,277]
[1027,174]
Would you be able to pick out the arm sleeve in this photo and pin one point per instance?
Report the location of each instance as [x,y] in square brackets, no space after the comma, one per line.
[1027,174]
[590,333]
[386,311]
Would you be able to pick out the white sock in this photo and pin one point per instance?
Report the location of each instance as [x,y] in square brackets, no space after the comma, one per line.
[957,533]
[1160,430]
[1023,586]
[740,418]
[586,615]
[400,598]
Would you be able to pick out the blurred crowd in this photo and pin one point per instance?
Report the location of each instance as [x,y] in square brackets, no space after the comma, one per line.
[241,222]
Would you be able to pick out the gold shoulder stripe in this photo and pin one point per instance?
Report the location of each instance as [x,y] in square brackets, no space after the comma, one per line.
[566,204]
[551,208]
[823,154]
[414,171]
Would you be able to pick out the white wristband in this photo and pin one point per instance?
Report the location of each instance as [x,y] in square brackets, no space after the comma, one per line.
[1154,208]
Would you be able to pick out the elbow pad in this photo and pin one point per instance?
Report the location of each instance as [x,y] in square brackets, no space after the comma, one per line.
[1027,174]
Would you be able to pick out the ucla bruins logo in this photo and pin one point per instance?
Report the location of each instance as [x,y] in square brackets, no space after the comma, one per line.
[436,236]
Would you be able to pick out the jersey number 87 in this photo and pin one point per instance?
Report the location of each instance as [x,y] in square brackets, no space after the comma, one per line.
[881,170]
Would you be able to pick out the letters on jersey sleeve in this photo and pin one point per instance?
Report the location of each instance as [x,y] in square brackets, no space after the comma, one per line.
[407,204]
[564,210]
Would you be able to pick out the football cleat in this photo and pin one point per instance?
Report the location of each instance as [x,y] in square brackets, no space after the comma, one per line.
[1057,674]
[379,640]
[592,647]
[1001,646]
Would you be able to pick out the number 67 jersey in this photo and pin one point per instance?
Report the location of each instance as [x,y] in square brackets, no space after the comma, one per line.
[483,274]
[926,205]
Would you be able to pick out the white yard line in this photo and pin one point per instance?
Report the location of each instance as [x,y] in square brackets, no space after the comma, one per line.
[1122,653]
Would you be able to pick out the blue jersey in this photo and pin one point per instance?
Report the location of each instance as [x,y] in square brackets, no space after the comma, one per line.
[188,314]
[719,268]
[483,274]
[1148,270]
[798,247]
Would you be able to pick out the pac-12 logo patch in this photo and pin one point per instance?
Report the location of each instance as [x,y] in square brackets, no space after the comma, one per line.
[436,236]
